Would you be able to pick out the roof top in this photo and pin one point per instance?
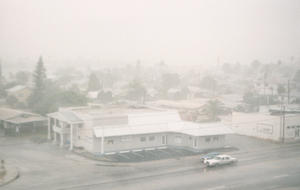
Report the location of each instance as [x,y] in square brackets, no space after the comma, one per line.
[113,109]
[67,116]
[188,128]
[25,118]
[16,88]
[79,114]
[6,113]
[18,116]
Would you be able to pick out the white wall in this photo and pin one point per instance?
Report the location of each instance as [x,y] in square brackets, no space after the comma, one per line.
[264,125]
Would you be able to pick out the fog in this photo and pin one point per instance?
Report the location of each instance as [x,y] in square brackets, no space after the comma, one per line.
[121,32]
[149,94]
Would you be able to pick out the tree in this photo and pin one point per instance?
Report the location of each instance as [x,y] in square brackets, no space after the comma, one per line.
[170,80]
[251,98]
[297,77]
[213,108]
[56,97]
[12,101]
[226,67]
[255,64]
[136,91]
[94,83]
[2,87]
[22,77]
[72,98]
[208,82]
[39,89]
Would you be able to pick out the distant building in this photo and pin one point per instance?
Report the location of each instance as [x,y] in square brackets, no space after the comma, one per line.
[265,125]
[20,92]
[16,122]
[104,130]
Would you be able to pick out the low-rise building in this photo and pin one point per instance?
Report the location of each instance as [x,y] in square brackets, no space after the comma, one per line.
[20,92]
[278,127]
[107,129]
[17,122]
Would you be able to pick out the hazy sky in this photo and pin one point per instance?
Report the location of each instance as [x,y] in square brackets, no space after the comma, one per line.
[178,32]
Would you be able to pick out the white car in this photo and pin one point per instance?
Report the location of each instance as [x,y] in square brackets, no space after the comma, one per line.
[221,160]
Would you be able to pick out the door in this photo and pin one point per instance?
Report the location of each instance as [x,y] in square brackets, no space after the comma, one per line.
[164,140]
[195,144]
[297,132]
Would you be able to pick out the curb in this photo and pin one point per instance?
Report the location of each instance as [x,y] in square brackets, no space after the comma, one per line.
[11,175]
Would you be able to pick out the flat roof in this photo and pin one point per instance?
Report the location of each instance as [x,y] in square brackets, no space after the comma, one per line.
[114,109]
[18,116]
[6,113]
[80,114]
[187,128]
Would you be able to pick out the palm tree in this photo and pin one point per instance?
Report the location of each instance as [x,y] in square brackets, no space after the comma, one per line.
[212,108]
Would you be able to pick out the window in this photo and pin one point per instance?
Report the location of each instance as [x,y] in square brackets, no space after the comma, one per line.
[178,139]
[207,139]
[125,139]
[164,140]
[110,141]
[143,139]
[195,142]
[151,138]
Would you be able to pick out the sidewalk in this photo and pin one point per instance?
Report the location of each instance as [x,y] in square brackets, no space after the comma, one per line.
[12,174]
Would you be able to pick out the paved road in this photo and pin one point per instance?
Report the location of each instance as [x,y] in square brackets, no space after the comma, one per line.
[262,166]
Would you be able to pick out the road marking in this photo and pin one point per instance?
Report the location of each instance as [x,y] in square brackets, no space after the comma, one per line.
[280,176]
[217,187]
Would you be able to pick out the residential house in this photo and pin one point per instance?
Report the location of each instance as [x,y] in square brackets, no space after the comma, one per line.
[17,122]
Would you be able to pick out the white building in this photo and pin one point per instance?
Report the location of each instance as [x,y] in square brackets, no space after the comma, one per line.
[101,130]
[266,126]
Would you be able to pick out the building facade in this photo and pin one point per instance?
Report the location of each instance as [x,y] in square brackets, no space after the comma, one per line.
[267,126]
[107,130]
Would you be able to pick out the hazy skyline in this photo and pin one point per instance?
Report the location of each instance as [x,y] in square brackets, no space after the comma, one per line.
[178,32]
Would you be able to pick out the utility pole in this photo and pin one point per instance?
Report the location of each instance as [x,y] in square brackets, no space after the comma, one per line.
[288,92]
[283,122]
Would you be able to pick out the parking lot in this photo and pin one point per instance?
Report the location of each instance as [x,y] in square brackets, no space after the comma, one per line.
[157,154]
[147,155]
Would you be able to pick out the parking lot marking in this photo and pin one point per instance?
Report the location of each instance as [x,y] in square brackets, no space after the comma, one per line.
[149,148]
[110,153]
[137,154]
[137,150]
[280,176]
[162,147]
[124,151]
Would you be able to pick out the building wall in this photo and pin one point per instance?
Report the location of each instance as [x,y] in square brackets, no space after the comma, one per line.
[292,127]
[261,125]
[131,142]
[83,137]
[266,126]
[196,143]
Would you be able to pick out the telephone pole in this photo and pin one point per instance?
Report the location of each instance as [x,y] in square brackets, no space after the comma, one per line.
[282,117]
[288,92]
